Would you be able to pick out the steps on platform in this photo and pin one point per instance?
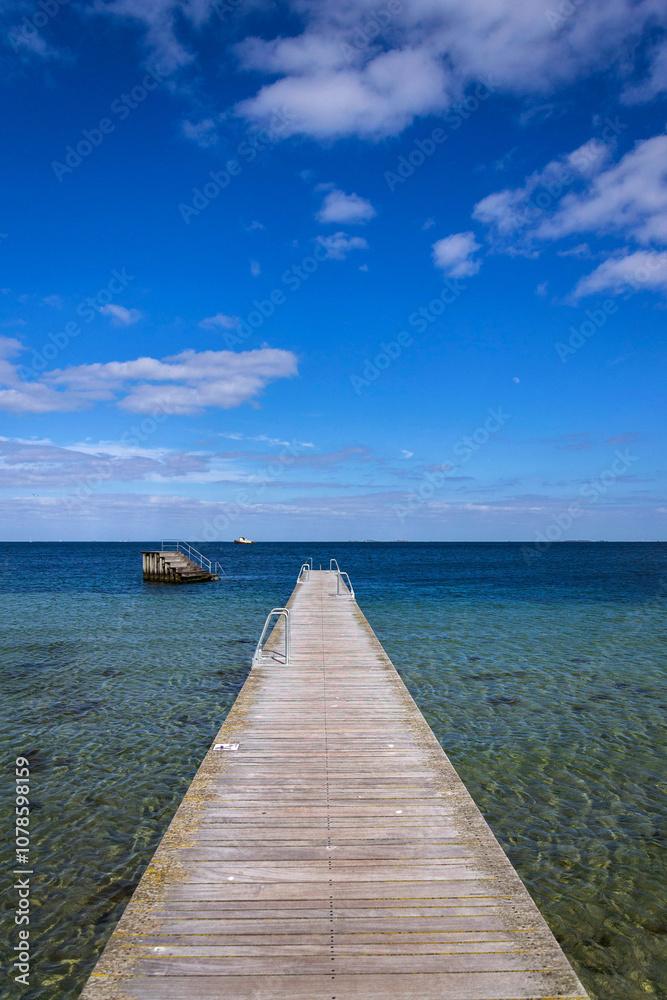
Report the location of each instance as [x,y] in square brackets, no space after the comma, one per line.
[174,567]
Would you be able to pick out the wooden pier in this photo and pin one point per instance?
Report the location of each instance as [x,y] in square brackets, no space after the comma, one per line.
[327,850]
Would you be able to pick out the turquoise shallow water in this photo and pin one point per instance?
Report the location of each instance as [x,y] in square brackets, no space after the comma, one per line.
[546,685]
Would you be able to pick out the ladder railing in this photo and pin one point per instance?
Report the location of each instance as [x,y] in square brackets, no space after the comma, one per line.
[257,656]
[335,568]
[339,579]
[305,569]
[194,555]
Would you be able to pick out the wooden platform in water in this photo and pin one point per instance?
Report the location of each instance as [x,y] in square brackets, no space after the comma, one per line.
[173,567]
[334,855]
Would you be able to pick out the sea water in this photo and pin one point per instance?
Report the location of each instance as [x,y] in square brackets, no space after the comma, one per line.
[544,680]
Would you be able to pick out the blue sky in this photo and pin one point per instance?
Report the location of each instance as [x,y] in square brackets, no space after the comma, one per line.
[332,271]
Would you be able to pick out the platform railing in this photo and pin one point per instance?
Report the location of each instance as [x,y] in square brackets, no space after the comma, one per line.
[339,579]
[331,566]
[258,656]
[190,552]
[304,572]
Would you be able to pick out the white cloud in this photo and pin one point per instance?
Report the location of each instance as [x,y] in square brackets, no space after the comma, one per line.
[513,210]
[629,197]
[10,346]
[380,99]
[339,245]
[53,300]
[220,320]
[255,268]
[632,272]
[238,436]
[429,53]
[346,208]
[120,316]
[584,193]
[655,82]
[183,384]
[426,56]
[454,255]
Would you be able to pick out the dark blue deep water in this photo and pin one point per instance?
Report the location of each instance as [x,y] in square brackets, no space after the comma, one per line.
[545,683]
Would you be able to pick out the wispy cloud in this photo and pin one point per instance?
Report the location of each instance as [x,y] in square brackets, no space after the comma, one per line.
[340,244]
[120,316]
[220,320]
[182,384]
[203,132]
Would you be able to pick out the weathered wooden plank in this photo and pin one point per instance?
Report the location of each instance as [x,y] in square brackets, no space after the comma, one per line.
[479,986]
[334,855]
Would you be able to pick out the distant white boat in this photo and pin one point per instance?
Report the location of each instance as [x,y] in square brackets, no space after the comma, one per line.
[242,541]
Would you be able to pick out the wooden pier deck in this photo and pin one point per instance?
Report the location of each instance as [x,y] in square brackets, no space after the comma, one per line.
[332,852]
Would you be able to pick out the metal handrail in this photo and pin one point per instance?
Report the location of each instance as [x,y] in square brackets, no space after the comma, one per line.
[331,561]
[193,554]
[306,566]
[310,560]
[257,655]
[339,580]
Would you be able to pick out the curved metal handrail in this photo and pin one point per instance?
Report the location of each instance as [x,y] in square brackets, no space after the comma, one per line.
[339,580]
[331,569]
[305,567]
[257,655]
[193,554]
